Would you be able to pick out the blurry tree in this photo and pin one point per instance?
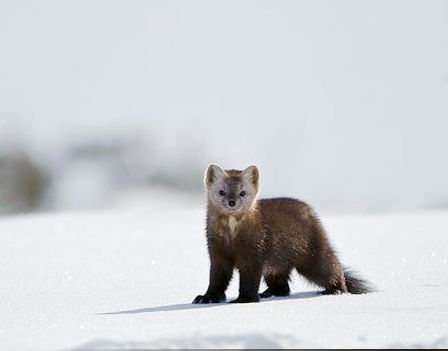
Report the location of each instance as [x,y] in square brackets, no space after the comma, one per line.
[22,183]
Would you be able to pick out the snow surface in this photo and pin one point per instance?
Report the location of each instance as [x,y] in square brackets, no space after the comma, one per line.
[126,278]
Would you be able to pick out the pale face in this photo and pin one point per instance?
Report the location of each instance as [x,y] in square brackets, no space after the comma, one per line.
[233,192]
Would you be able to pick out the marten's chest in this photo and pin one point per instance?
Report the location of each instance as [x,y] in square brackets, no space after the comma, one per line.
[235,233]
[229,228]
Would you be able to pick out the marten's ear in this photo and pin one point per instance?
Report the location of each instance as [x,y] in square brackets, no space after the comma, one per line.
[251,173]
[213,173]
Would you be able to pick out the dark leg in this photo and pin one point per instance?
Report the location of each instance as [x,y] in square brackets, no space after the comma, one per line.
[278,285]
[327,272]
[250,277]
[220,275]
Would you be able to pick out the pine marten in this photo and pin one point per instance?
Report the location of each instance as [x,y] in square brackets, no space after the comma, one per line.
[265,238]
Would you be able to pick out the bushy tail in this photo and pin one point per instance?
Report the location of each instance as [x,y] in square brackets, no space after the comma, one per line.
[356,284]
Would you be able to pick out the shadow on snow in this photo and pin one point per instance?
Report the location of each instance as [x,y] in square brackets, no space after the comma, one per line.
[190,306]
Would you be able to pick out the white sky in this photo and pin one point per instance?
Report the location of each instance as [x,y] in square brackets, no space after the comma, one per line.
[341,101]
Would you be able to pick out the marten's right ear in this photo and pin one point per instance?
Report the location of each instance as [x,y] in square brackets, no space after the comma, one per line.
[213,173]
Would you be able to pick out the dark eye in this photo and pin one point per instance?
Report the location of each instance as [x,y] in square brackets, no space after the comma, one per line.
[222,193]
[243,193]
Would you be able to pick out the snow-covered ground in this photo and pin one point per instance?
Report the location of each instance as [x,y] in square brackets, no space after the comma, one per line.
[126,278]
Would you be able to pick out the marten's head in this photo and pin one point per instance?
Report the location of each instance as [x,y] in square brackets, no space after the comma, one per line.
[231,191]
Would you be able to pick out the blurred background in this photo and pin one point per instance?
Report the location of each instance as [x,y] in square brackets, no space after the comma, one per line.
[124,103]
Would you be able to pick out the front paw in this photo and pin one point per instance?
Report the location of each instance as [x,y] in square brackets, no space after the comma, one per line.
[203,299]
[246,299]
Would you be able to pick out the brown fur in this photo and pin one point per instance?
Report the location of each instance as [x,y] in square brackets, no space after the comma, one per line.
[266,238]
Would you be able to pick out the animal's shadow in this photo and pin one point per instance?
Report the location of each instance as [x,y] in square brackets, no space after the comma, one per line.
[190,306]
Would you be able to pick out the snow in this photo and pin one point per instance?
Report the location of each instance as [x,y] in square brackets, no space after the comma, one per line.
[126,278]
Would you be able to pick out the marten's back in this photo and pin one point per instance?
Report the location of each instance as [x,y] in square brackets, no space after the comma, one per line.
[286,214]
[292,226]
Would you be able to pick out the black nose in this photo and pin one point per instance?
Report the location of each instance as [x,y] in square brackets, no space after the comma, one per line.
[232,203]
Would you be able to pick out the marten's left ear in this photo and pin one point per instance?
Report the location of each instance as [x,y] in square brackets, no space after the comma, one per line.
[251,173]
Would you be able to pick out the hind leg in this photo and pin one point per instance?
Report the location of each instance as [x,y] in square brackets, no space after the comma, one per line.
[278,284]
[325,271]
